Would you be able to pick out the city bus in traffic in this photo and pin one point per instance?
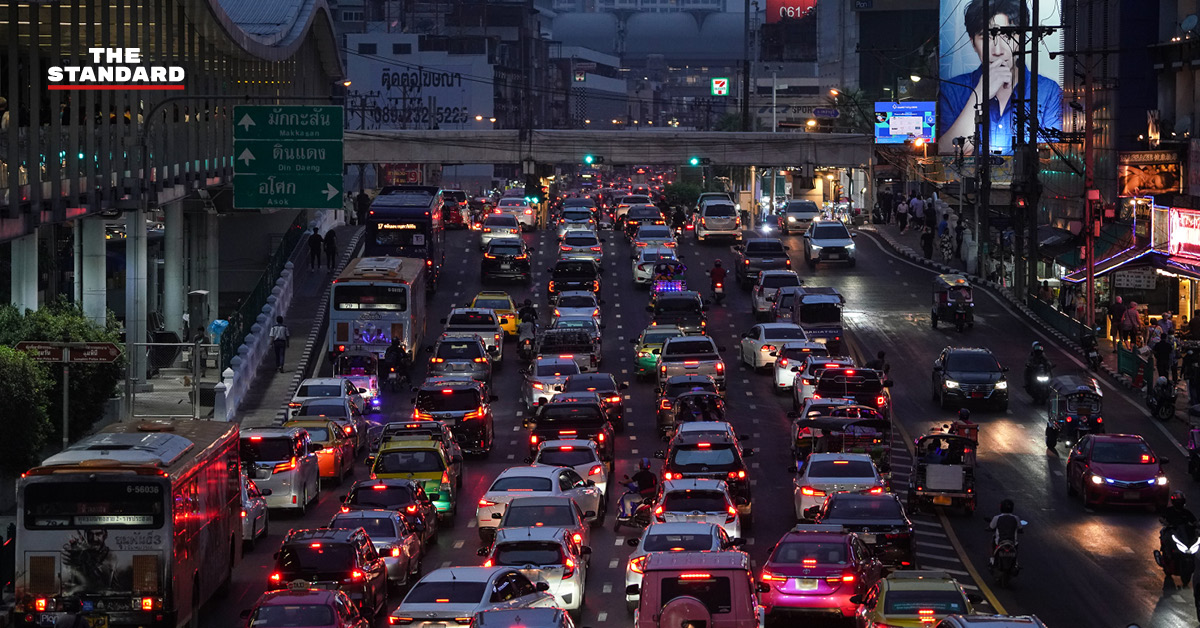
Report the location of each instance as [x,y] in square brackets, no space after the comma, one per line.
[374,300]
[139,524]
[406,221]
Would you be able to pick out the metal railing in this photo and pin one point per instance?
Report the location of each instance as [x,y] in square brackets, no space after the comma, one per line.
[247,313]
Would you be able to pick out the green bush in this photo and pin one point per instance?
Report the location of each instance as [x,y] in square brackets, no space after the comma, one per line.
[684,194]
[23,387]
[91,384]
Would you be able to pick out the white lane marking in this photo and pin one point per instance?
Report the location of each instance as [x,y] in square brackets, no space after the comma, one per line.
[937,545]
[752,406]
[612,564]
[745,381]
[510,456]
[928,524]
[520,412]
[633,451]
[607,588]
[458,544]
[953,559]
[630,424]
[749,394]
[517,428]
[619,541]
[750,541]
[602,617]
[632,437]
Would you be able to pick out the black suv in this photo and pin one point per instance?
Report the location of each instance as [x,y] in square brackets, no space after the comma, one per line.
[506,258]
[684,310]
[573,274]
[334,559]
[711,457]
[964,375]
[866,387]
[606,386]
[406,497]
[880,518]
[572,415]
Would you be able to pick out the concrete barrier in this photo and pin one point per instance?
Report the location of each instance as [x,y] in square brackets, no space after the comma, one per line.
[256,347]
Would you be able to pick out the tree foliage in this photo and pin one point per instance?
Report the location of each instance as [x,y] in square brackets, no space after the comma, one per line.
[23,387]
[682,194]
[91,384]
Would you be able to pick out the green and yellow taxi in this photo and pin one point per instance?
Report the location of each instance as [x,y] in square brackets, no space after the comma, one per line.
[912,599]
[647,345]
[424,461]
[505,308]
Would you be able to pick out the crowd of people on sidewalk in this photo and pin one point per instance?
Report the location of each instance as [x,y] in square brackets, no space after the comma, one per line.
[943,232]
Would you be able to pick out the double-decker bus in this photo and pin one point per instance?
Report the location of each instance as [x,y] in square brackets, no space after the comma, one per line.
[374,300]
[406,221]
[139,524]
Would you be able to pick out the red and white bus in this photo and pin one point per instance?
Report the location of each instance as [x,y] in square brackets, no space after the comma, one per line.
[139,524]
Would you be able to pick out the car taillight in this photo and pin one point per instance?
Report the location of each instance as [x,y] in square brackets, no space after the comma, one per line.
[737,475]
[811,492]
[294,404]
[783,362]
[596,249]
[768,348]
[658,513]
[638,564]
[243,513]
[732,515]
[480,360]
[474,414]
[564,248]
[276,578]
[878,490]
[577,538]
[483,503]
[614,399]
[40,604]
[720,367]
[285,466]
[880,400]
[437,360]
[395,552]
[399,621]
[533,439]
[489,256]
[596,470]
[667,475]
[411,509]
[600,437]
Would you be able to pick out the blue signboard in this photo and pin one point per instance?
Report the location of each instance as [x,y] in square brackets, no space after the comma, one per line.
[897,122]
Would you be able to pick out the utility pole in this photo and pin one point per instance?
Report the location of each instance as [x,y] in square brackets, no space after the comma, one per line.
[746,72]
[1033,184]
[1018,209]
[1090,221]
[983,149]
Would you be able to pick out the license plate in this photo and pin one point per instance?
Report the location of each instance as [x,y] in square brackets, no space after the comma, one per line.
[1132,495]
[437,625]
[97,621]
[506,267]
[867,538]
[835,256]
[806,584]
[942,500]
[768,261]
[977,395]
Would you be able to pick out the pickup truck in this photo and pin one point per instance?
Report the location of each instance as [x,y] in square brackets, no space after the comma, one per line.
[691,355]
[484,323]
[571,344]
[759,254]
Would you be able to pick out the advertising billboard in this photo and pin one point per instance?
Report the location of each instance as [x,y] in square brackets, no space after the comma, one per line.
[1184,235]
[1149,172]
[961,38]
[779,10]
[897,122]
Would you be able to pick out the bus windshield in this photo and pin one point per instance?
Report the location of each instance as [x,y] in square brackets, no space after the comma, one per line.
[124,503]
[361,297]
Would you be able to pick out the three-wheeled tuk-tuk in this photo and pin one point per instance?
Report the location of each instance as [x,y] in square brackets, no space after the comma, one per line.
[952,302]
[943,472]
[1073,409]
[362,369]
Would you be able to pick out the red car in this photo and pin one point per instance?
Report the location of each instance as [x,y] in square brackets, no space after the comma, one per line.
[454,215]
[1117,469]
[301,606]
[816,569]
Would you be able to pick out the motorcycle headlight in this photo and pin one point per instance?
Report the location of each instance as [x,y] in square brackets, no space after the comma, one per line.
[1161,480]
[1096,479]
[1043,378]
[1001,385]
[951,384]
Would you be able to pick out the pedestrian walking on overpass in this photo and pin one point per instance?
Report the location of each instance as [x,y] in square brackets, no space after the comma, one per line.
[279,340]
[314,250]
[331,249]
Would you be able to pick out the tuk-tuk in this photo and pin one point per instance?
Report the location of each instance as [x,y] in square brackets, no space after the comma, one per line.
[952,301]
[1073,409]
[871,436]
[943,472]
[697,405]
[362,369]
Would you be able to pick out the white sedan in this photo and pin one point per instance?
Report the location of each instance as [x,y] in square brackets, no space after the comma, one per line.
[805,381]
[789,357]
[760,345]
[648,236]
[580,455]
[826,474]
[533,481]
[762,297]
[578,304]
[647,258]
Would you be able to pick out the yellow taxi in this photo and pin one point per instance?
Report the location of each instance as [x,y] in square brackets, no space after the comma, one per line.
[912,599]
[336,457]
[426,462]
[505,308]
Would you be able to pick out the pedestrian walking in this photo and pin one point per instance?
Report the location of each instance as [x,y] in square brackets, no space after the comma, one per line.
[314,250]
[943,227]
[331,249]
[916,207]
[1130,322]
[362,203]
[902,215]
[927,242]
[1116,309]
[1191,375]
[946,243]
[1045,293]
[959,228]
[931,213]
[1162,354]
[1167,323]
[279,339]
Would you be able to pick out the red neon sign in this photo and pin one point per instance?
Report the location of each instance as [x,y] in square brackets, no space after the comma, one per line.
[1184,235]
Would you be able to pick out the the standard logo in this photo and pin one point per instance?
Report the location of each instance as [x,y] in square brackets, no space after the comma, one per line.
[115,68]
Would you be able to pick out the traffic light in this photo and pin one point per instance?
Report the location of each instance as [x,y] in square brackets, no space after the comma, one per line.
[699,161]
[533,189]
[593,159]
[694,161]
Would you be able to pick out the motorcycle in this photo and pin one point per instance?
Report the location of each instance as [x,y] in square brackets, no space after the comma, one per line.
[962,316]
[1177,556]
[1160,400]
[1004,564]
[1087,340]
[1037,382]
[633,510]
[393,379]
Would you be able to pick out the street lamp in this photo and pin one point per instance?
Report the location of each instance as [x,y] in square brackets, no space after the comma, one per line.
[479,118]
[774,91]
[812,123]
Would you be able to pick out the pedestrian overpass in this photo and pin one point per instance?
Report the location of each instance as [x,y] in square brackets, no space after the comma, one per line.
[631,147]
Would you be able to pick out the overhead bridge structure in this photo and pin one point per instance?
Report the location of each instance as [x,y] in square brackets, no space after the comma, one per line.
[616,147]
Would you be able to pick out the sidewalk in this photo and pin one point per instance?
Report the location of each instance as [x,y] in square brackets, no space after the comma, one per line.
[271,390]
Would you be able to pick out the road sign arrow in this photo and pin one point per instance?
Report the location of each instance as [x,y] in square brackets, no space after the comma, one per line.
[331,192]
[246,122]
[246,156]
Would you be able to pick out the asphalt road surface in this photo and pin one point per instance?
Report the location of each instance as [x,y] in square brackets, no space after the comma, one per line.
[1081,568]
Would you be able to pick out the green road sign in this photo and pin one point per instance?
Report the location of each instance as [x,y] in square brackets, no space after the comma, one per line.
[300,191]
[287,157]
[287,122]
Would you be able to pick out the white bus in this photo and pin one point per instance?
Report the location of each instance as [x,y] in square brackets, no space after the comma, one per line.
[139,524]
[374,300]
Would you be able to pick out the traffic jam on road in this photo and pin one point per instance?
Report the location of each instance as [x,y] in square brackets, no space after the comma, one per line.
[583,421]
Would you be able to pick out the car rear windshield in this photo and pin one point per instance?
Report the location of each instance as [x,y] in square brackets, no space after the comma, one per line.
[446,592]
[715,592]
[459,350]
[795,353]
[289,615]
[654,232]
[715,457]
[472,319]
[522,483]
[831,232]
[644,213]
[780,281]
[576,301]
[528,553]
[318,434]
[971,362]
[315,557]
[570,413]
[657,337]
[836,384]
[688,501]
[677,542]
[500,220]
[820,313]
[783,333]
[267,449]
[557,370]
[824,552]
[601,385]
[323,409]
[687,305]
[1128,452]
[574,269]
[371,496]
[675,389]
[550,516]
[841,469]
[690,346]
[898,602]
[577,216]
[567,457]
[764,247]
[319,390]
[457,400]
[409,461]
[883,508]
[720,211]
[493,303]
[377,527]
[581,240]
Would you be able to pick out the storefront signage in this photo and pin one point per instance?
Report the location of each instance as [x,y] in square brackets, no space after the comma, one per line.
[1193,182]
[779,10]
[1135,279]
[1184,237]
[1142,173]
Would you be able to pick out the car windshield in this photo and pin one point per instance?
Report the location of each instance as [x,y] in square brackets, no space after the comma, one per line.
[712,456]
[527,553]
[657,337]
[719,211]
[883,508]
[472,319]
[454,399]
[691,346]
[677,542]
[459,350]
[580,240]
[532,483]
[824,552]
[315,557]
[323,409]
[446,592]
[820,313]
[571,413]
[500,220]
[830,232]
[783,333]
[802,207]
[899,602]
[409,461]
[557,370]
[378,528]
[972,362]
[574,269]
[687,305]
[1125,452]
[292,616]
[714,592]
[550,516]
[688,501]
[567,457]
[841,469]
[380,496]
[780,281]
[764,247]
[493,303]
[576,301]
[320,390]
[256,449]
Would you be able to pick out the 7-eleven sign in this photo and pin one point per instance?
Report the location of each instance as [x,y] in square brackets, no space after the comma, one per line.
[720,87]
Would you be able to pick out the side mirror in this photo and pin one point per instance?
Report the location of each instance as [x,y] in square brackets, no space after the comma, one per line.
[341,498]
[793,469]
[528,459]
[315,447]
[266,492]
[442,321]
[589,514]
[590,483]
[483,551]
[1004,369]
[853,234]
[774,354]
[887,383]
[1163,460]
[632,541]
[722,348]
[275,555]
[526,423]
[429,349]
[812,512]
[419,526]
[748,453]
[787,248]
[362,391]
[456,459]
[793,415]
[856,599]
[497,515]
[741,501]
[743,437]
[736,542]
[656,352]
[739,248]
[937,368]
[762,587]
[542,586]
[599,301]
[660,454]
[633,589]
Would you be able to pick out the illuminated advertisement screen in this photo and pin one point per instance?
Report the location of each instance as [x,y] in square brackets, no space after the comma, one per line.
[779,10]
[961,37]
[1149,172]
[897,122]
[1184,236]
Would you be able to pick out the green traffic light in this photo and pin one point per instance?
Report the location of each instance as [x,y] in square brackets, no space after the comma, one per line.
[588,159]
[695,161]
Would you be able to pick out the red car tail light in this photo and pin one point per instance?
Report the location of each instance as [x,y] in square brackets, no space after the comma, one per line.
[733,513]
[811,492]
[638,564]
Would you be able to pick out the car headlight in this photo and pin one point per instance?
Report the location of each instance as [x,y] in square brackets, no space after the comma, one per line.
[815,247]
[1002,385]
[850,247]
[1043,378]
[1161,480]
[951,384]
[791,219]
[1096,479]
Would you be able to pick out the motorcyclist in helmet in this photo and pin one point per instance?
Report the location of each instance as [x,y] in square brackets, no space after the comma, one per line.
[1037,360]
[1178,521]
[1005,526]
[645,479]
[1162,387]
[717,274]
[964,415]
[528,312]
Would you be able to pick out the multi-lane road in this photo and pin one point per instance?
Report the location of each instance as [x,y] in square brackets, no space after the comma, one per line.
[1081,568]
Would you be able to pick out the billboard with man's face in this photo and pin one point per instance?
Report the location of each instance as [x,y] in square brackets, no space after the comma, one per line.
[964,59]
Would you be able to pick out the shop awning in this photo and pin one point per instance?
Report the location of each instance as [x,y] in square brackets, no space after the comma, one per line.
[1113,238]
[1053,241]
[1141,257]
